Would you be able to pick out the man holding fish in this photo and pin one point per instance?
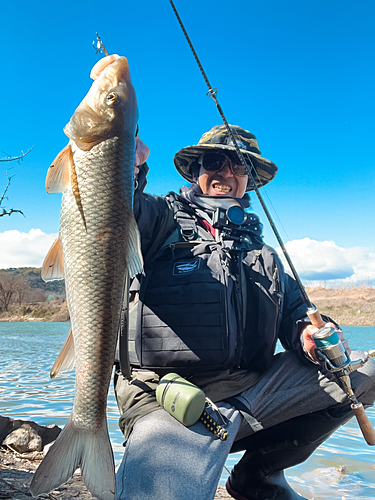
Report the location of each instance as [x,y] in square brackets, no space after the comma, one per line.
[209,304]
[278,408]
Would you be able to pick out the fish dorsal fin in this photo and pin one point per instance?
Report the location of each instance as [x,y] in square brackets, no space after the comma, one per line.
[58,175]
[53,265]
[65,360]
[135,260]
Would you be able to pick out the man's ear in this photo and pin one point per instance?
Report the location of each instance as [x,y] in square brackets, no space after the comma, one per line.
[194,170]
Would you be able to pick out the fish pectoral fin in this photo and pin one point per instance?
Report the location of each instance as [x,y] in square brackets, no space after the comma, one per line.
[53,265]
[135,260]
[58,175]
[65,360]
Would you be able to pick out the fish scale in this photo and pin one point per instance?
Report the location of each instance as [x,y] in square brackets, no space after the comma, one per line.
[84,258]
[98,246]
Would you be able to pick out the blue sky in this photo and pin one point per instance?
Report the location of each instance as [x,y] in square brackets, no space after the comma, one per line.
[299,75]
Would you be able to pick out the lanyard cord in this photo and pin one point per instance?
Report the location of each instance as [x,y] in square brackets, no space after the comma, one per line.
[212,93]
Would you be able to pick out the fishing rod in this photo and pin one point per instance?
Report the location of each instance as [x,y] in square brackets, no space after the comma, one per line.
[330,350]
[212,92]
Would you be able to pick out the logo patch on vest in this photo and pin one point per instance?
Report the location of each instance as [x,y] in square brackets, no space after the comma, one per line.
[186,267]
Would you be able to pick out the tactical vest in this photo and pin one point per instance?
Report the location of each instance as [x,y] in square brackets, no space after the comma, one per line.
[190,310]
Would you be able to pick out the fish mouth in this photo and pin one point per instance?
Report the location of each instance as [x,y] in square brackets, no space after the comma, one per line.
[100,66]
[113,68]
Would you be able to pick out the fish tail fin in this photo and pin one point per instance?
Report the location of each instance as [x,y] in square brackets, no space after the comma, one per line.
[98,466]
[135,260]
[75,448]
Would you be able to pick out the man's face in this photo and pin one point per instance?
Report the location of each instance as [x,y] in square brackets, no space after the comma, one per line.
[222,182]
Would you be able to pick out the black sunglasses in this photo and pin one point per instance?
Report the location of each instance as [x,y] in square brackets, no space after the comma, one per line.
[213,162]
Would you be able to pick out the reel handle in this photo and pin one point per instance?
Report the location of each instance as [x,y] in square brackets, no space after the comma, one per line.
[315,318]
[364,423]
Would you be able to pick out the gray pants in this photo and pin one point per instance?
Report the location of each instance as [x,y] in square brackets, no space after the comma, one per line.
[165,460]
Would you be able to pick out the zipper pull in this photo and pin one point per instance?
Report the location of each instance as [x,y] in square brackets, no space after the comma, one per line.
[278,284]
[275,273]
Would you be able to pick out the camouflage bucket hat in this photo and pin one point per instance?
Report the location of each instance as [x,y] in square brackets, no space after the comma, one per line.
[218,138]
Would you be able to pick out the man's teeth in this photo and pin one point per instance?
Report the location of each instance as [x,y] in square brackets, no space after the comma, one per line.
[223,188]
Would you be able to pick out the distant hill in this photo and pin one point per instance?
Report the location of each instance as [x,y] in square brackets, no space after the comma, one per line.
[32,276]
[347,306]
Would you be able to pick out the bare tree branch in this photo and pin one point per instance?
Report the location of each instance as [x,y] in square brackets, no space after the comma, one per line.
[12,158]
[6,188]
[8,288]
[12,210]
[3,196]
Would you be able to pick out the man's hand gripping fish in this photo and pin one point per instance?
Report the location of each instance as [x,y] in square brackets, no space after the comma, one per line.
[98,246]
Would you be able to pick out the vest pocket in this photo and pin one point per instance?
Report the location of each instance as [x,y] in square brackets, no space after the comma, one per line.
[183,314]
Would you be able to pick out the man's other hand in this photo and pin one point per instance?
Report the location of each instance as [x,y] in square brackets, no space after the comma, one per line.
[309,344]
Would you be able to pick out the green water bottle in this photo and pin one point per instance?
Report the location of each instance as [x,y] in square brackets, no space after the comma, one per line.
[180,398]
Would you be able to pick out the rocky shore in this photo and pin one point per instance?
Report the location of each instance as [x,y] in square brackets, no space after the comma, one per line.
[23,445]
[17,472]
[54,310]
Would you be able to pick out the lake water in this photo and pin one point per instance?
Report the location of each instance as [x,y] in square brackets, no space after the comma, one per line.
[28,350]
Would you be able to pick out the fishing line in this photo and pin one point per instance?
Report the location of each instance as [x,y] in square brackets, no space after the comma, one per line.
[97,44]
[247,156]
[212,92]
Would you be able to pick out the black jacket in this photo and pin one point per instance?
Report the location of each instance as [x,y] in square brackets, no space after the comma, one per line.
[275,305]
[275,310]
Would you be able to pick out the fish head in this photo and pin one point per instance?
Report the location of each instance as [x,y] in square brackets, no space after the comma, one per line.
[109,109]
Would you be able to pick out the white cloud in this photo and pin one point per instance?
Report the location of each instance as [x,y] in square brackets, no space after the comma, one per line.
[325,261]
[314,260]
[24,249]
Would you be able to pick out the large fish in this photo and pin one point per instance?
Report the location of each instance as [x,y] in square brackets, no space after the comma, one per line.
[98,246]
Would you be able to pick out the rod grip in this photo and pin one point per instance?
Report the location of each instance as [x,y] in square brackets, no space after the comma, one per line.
[315,318]
[364,423]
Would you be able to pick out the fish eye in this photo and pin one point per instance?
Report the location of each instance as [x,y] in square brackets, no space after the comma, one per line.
[111,97]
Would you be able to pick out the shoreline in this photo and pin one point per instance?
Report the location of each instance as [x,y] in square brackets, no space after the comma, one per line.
[347,306]
[17,473]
